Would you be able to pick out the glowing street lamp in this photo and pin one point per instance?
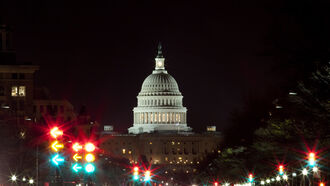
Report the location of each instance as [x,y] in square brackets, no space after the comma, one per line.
[278,178]
[262,182]
[321,184]
[294,174]
[268,181]
[304,172]
[24,179]
[315,169]
[13,178]
[31,181]
[285,177]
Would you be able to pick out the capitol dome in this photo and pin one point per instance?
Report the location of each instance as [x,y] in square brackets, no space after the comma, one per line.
[159,83]
[159,106]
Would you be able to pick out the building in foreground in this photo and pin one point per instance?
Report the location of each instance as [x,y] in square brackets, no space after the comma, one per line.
[160,134]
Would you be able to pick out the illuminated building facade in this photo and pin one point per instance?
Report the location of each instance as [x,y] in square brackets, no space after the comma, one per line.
[160,134]
[159,107]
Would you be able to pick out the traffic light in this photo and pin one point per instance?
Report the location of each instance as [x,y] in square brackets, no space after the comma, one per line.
[89,157]
[89,147]
[136,173]
[250,178]
[281,169]
[311,159]
[147,176]
[57,159]
[215,183]
[76,147]
[76,167]
[83,153]
[56,145]
[89,168]
[56,132]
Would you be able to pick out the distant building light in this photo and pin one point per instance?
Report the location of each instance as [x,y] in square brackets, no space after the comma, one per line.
[108,128]
[5,106]
[278,106]
[292,93]
[211,128]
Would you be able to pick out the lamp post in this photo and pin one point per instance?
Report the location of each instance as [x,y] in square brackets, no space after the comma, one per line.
[304,173]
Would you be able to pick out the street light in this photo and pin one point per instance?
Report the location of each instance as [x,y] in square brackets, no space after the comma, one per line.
[294,174]
[285,177]
[24,179]
[278,178]
[262,182]
[268,181]
[13,178]
[31,181]
[315,169]
[304,172]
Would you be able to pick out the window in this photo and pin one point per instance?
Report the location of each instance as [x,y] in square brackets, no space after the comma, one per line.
[18,91]
[21,90]
[2,91]
[14,91]
[21,76]
[14,75]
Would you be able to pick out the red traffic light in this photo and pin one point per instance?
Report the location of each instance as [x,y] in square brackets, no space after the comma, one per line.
[281,169]
[311,159]
[250,177]
[56,132]
[216,183]
[136,169]
[76,147]
[89,147]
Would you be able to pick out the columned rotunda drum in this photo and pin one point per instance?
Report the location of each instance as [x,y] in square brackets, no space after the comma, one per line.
[159,106]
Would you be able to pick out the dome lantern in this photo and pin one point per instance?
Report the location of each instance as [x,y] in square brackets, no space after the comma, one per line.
[160,60]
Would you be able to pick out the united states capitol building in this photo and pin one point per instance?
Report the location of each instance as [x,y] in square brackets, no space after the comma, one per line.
[160,133]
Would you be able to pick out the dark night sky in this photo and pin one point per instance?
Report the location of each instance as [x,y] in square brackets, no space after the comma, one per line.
[98,53]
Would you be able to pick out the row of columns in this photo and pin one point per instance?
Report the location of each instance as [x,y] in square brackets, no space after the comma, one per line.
[159,117]
[160,102]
